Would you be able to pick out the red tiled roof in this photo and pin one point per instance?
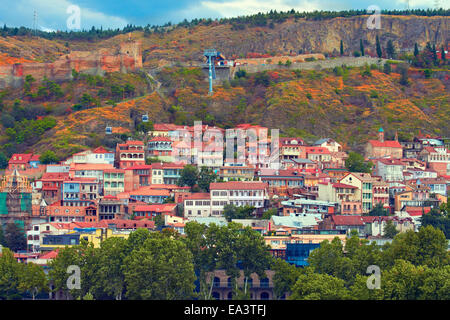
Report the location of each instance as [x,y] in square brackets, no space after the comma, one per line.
[167,165]
[317,150]
[49,255]
[165,127]
[109,196]
[126,224]
[198,196]
[351,220]
[239,185]
[20,158]
[35,157]
[139,167]
[165,207]
[149,191]
[101,150]
[386,143]
[91,166]
[417,211]
[53,176]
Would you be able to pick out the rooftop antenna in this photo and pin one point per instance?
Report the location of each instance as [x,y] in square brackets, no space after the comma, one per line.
[35,22]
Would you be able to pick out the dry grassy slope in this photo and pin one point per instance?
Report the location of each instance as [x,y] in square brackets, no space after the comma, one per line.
[84,128]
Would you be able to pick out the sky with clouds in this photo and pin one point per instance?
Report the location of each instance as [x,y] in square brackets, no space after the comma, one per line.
[52,14]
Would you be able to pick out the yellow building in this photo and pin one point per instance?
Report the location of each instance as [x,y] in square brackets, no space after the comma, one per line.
[96,236]
[101,234]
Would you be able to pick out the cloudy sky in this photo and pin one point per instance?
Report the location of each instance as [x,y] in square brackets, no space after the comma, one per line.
[53,15]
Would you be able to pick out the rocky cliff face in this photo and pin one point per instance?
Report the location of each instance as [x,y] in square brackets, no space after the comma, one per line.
[325,36]
[125,58]
[294,36]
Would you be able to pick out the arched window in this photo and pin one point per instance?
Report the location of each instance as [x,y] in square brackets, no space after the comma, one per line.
[230,295]
[264,295]
[216,295]
[216,282]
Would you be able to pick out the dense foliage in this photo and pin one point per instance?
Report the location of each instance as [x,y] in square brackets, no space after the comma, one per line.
[415,266]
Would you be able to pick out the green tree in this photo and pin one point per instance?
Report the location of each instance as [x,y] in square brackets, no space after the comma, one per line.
[159,221]
[10,276]
[201,242]
[188,176]
[390,230]
[359,290]
[403,281]
[315,286]
[231,212]
[253,253]
[206,176]
[145,127]
[426,247]
[378,47]
[161,269]
[341,48]
[416,50]
[403,70]
[3,160]
[33,279]
[378,210]
[438,220]
[361,47]
[15,238]
[285,277]
[111,258]
[269,213]
[27,84]
[355,163]
[390,49]
[436,284]
[58,269]
[48,156]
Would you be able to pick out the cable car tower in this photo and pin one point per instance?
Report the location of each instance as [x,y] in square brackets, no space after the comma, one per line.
[211,55]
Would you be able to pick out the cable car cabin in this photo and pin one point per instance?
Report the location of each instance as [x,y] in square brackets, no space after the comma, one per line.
[108,130]
[145,118]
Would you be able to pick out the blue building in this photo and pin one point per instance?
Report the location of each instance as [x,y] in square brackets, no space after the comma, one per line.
[298,253]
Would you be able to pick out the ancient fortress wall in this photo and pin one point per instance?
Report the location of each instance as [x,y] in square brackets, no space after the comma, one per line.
[127,57]
[312,65]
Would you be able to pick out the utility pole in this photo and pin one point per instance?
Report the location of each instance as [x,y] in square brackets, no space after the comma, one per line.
[35,22]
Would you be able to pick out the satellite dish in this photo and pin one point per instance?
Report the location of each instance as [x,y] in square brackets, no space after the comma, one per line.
[145,118]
